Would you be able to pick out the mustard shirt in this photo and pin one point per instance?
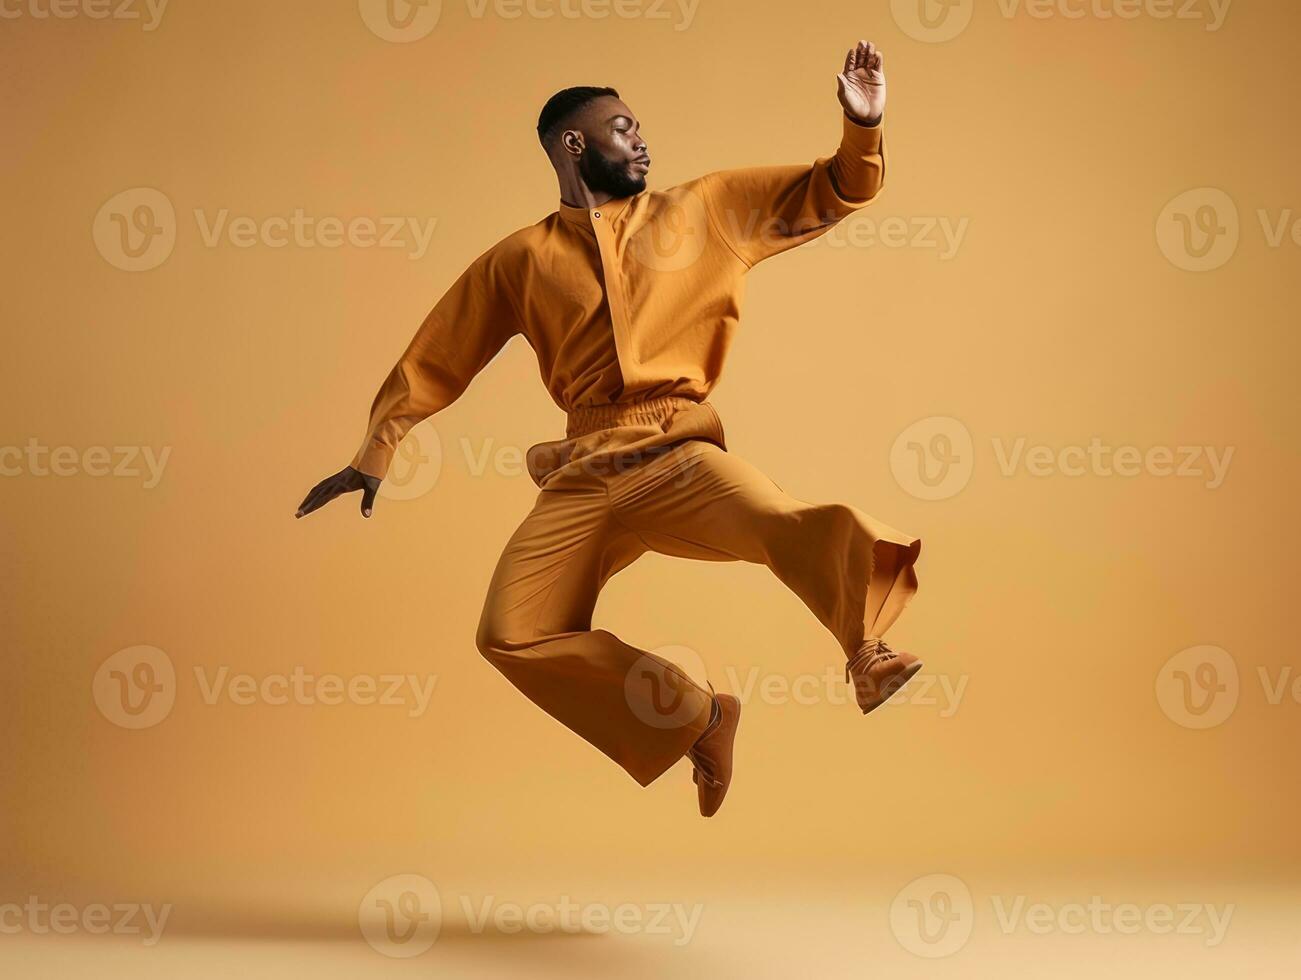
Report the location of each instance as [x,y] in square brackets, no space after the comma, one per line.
[634,299]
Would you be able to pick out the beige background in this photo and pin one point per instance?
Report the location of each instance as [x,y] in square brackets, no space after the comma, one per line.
[1054,603]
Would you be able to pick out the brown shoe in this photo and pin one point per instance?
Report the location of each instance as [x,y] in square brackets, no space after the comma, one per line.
[712,754]
[877,672]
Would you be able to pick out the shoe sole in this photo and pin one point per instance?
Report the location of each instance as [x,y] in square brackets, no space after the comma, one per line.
[896,684]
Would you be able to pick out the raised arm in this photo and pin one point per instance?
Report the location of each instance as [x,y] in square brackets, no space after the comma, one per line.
[461,334]
[762,211]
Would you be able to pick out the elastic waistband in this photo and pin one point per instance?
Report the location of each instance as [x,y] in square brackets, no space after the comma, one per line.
[651,411]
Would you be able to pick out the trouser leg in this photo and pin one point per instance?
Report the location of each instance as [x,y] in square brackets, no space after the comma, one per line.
[639,709]
[853,572]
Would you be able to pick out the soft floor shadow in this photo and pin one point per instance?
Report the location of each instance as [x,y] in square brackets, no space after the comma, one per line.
[279,928]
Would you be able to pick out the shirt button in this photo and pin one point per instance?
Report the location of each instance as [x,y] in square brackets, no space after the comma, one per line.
[596,214]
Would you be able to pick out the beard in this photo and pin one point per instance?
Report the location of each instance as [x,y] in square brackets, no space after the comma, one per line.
[607,176]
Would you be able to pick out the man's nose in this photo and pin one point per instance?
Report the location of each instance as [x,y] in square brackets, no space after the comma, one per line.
[641,145]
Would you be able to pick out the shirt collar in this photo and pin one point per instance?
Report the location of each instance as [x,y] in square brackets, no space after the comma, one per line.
[583,216]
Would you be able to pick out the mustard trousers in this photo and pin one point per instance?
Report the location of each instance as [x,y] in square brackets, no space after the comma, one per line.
[656,476]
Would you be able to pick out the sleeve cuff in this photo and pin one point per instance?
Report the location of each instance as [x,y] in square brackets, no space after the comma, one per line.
[865,139]
[373,459]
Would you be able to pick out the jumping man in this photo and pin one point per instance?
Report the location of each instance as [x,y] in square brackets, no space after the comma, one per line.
[630,299]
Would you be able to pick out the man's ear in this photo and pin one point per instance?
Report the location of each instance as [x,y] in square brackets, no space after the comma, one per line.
[572,141]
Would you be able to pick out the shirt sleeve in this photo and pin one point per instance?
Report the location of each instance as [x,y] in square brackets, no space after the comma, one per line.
[460,335]
[763,211]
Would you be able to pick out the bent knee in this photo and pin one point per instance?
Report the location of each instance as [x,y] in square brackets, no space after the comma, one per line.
[500,637]
[492,636]
[492,643]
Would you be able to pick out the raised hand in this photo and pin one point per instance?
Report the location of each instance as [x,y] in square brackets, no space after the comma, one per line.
[862,84]
[345,481]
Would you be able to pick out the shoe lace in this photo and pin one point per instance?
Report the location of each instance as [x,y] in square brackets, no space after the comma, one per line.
[872,652]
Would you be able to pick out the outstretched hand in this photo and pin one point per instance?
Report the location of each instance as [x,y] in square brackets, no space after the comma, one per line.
[345,481]
[862,84]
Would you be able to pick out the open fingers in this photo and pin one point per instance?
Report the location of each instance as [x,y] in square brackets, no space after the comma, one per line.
[863,55]
[320,495]
[310,494]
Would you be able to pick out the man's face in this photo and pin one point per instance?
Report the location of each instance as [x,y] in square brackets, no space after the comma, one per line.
[614,157]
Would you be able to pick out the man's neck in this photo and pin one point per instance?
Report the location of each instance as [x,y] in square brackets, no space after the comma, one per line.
[580,195]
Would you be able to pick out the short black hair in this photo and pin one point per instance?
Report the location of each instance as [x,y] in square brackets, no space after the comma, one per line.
[564,104]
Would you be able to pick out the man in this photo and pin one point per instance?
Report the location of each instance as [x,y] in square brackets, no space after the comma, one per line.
[630,337]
